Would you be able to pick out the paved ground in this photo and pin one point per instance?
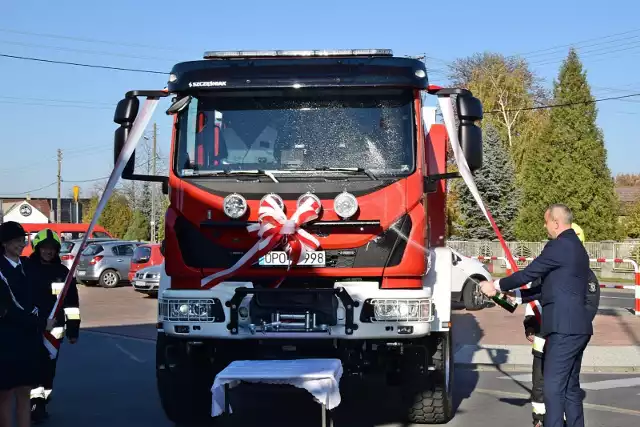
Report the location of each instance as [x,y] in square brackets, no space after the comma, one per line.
[105,381]
[617,299]
[108,378]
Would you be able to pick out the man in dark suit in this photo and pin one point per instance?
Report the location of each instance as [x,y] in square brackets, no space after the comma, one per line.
[567,326]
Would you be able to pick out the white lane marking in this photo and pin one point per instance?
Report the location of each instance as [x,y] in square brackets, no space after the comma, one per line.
[586,405]
[602,296]
[128,353]
[523,378]
[117,336]
[609,384]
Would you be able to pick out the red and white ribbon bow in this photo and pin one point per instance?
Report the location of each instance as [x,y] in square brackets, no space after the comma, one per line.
[275,229]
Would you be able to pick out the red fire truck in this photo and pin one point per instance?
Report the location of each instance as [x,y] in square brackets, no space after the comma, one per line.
[327,154]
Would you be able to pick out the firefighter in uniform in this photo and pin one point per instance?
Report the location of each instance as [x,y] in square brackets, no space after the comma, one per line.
[532,331]
[49,275]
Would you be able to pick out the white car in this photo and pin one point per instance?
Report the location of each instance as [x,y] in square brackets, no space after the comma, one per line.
[464,277]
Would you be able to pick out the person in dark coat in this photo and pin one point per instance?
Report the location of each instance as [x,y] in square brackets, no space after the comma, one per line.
[567,325]
[21,327]
[49,274]
[532,330]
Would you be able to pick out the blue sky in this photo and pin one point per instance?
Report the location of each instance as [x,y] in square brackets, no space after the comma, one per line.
[44,107]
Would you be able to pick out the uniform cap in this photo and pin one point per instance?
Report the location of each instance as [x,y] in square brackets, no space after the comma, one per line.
[11,230]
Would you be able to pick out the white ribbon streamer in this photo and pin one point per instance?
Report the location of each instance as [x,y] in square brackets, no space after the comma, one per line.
[138,128]
[446,106]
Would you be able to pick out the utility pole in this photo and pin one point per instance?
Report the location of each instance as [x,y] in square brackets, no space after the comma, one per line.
[153,187]
[59,204]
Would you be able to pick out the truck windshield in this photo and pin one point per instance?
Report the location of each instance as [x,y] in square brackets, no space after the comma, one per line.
[289,130]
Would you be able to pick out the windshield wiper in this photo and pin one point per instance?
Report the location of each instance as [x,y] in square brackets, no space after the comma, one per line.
[227,172]
[360,170]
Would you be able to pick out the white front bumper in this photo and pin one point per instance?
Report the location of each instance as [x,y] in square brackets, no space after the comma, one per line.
[359,292]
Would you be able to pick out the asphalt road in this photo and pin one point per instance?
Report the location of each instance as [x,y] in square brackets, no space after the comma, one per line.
[108,380]
[617,299]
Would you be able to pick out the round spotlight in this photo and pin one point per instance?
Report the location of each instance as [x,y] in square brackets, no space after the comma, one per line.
[306,196]
[345,204]
[277,198]
[234,205]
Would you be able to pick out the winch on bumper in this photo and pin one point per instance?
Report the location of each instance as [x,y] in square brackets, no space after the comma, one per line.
[350,310]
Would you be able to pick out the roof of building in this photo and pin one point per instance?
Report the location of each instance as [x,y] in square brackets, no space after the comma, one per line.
[41,205]
[628,194]
[628,197]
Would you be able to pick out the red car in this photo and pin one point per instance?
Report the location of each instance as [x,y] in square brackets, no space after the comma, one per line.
[145,256]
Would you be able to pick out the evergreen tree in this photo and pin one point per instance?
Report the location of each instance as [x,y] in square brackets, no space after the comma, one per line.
[496,183]
[116,216]
[162,211]
[139,227]
[632,222]
[569,164]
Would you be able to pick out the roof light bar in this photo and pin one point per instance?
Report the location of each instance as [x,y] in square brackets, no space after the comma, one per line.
[295,53]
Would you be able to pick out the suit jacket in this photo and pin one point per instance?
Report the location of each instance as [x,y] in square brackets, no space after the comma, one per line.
[564,269]
[535,292]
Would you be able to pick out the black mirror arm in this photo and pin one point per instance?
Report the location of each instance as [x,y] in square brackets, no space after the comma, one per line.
[430,181]
[151,94]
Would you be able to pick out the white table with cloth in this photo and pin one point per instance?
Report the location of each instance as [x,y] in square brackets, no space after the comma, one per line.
[320,377]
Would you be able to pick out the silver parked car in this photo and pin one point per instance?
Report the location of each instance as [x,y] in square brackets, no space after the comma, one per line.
[106,263]
[69,248]
[147,280]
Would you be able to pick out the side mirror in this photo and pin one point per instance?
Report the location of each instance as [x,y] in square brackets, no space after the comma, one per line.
[125,115]
[119,138]
[126,111]
[470,135]
[179,105]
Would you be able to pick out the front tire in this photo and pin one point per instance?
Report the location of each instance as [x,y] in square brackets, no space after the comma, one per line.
[184,381]
[430,393]
[109,279]
[472,296]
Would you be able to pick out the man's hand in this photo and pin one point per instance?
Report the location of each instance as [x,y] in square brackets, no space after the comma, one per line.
[487,288]
[529,333]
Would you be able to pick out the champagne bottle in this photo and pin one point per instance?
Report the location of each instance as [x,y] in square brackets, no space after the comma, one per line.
[502,300]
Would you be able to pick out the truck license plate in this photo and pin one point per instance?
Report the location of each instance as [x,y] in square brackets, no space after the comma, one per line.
[276,258]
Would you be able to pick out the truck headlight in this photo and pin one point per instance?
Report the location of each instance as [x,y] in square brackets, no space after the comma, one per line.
[234,205]
[275,197]
[399,310]
[191,310]
[346,205]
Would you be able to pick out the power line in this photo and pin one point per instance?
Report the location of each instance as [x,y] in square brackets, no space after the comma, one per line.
[34,190]
[41,104]
[86,180]
[87,51]
[535,52]
[568,104]
[19,98]
[86,40]
[79,64]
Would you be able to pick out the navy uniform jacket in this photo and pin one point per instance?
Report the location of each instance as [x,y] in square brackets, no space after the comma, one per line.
[535,291]
[564,269]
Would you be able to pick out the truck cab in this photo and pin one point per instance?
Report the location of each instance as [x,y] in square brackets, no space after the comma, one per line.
[301,222]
